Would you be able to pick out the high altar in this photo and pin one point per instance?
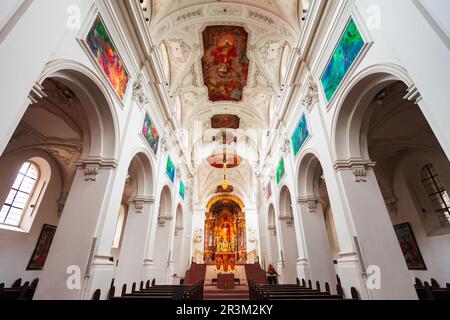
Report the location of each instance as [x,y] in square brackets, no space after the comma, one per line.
[225,233]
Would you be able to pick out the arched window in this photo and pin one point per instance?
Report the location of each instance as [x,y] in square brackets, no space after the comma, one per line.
[119,227]
[437,194]
[19,195]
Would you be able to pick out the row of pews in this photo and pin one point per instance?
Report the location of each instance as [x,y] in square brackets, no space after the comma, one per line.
[18,291]
[299,291]
[156,292]
[433,291]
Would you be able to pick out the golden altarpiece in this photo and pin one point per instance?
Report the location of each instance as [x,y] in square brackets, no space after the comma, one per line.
[225,233]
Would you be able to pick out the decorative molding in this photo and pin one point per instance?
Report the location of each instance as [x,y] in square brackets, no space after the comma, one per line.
[413,94]
[92,167]
[311,202]
[392,205]
[273,229]
[163,218]
[260,16]
[140,201]
[165,144]
[61,203]
[139,94]
[311,97]
[286,146]
[288,220]
[37,92]
[358,166]
[177,230]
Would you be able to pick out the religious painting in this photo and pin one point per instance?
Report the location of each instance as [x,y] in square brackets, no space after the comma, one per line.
[348,49]
[150,133]
[280,171]
[300,135]
[182,190]
[225,121]
[105,53]
[268,191]
[42,249]
[225,63]
[170,169]
[409,246]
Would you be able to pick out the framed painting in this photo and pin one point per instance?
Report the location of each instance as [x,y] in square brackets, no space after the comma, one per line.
[300,135]
[102,49]
[280,171]
[42,249]
[222,121]
[182,190]
[409,247]
[150,133]
[225,64]
[170,169]
[348,49]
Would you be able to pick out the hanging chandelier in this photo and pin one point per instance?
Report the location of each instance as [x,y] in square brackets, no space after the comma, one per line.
[225,181]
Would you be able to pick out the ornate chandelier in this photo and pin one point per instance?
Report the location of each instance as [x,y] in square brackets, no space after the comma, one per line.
[225,181]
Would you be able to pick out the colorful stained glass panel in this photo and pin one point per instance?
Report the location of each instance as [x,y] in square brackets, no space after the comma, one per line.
[105,53]
[348,49]
[150,133]
[170,169]
[280,171]
[300,135]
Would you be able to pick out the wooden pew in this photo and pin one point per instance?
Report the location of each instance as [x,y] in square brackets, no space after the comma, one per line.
[19,291]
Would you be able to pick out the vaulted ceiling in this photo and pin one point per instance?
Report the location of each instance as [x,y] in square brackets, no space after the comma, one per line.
[262,34]
[176,27]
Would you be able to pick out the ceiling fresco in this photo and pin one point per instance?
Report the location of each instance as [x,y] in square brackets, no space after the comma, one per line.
[225,63]
[225,121]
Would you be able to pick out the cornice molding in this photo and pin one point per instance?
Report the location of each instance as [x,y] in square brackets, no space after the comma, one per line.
[359,167]
[140,201]
[92,167]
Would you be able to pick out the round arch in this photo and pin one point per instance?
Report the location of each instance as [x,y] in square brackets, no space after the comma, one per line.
[165,203]
[225,197]
[308,174]
[179,223]
[141,168]
[99,108]
[352,106]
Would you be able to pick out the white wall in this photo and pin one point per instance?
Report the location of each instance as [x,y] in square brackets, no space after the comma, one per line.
[434,246]
[16,248]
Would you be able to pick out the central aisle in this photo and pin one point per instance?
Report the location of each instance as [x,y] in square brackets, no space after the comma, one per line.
[239,293]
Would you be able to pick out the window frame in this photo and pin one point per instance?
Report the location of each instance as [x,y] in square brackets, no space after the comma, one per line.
[30,195]
[427,176]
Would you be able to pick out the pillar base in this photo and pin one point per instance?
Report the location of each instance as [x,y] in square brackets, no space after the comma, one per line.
[102,273]
[303,271]
[148,270]
[349,272]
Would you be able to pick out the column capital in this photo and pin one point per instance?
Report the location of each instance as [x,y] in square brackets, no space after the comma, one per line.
[91,166]
[358,166]
[273,229]
[310,201]
[163,218]
[288,220]
[140,201]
